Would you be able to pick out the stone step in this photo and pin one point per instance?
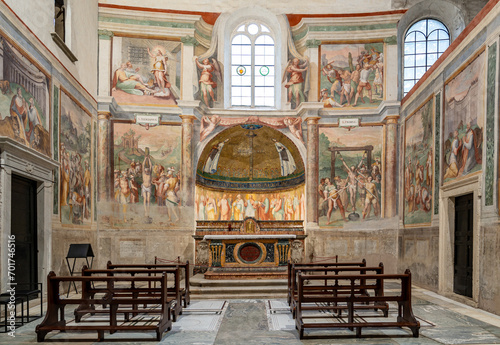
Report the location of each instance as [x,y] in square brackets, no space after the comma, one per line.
[237,289]
[199,280]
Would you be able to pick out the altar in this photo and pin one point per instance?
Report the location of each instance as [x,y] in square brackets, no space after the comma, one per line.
[247,249]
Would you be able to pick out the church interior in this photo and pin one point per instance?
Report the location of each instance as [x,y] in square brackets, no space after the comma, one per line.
[238,139]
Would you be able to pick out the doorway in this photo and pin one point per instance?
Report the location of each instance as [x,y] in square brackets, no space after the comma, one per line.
[463,254]
[24,228]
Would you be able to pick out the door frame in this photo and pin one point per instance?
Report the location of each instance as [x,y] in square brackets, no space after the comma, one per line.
[448,194]
[26,162]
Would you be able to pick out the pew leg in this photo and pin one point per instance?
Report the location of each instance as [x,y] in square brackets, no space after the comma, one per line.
[40,336]
[100,335]
[350,314]
[358,332]
[414,330]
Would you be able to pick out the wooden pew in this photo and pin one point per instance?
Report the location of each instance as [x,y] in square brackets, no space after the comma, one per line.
[136,292]
[115,298]
[184,291]
[362,263]
[307,296]
[323,287]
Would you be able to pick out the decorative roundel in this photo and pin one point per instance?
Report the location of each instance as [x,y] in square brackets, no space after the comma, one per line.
[264,70]
[241,70]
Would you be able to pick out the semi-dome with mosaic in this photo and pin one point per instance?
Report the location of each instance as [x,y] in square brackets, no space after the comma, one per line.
[265,159]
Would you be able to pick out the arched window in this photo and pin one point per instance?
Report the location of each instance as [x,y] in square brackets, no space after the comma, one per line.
[424,43]
[252,66]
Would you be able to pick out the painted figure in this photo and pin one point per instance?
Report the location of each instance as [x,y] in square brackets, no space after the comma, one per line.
[295,80]
[128,83]
[160,70]
[207,83]
[286,160]
[147,186]
[213,158]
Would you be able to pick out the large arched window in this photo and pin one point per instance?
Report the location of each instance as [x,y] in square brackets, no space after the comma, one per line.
[424,43]
[252,66]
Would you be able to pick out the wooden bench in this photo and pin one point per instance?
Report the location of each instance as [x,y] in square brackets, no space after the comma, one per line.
[184,291]
[323,286]
[173,292]
[307,297]
[115,290]
[361,263]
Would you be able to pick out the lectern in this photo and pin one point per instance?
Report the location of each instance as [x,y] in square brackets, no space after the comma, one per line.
[78,251]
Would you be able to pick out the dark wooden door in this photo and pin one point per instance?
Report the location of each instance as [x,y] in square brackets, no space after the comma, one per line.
[464,215]
[24,227]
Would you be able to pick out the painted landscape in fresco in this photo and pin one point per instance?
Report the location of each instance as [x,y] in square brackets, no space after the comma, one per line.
[146,71]
[351,186]
[24,99]
[419,166]
[215,205]
[352,75]
[75,156]
[146,175]
[464,121]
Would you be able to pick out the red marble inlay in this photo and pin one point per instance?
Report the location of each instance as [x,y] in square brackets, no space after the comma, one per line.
[250,253]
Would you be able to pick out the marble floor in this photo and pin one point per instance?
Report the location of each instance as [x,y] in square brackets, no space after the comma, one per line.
[269,321]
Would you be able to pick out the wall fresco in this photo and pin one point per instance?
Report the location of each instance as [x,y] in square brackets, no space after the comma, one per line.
[24,99]
[419,166]
[75,152]
[350,173]
[352,75]
[464,121]
[146,71]
[489,179]
[276,205]
[147,164]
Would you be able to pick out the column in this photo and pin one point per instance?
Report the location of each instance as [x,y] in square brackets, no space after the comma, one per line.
[312,168]
[187,171]
[189,75]
[390,175]
[313,53]
[104,62]
[105,188]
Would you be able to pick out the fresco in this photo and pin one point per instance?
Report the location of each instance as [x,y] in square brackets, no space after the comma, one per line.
[146,71]
[419,167]
[351,75]
[209,74]
[464,121]
[75,155]
[250,156]
[350,174]
[24,99]
[276,205]
[296,81]
[146,176]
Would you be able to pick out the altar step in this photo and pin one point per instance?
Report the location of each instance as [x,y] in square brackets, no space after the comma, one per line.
[202,288]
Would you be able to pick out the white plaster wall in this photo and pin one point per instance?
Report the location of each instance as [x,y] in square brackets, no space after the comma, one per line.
[38,16]
[277,7]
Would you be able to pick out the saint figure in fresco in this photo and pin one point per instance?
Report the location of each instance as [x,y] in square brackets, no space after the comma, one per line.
[129,82]
[213,158]
[295,80]
[207,83]
[286,160]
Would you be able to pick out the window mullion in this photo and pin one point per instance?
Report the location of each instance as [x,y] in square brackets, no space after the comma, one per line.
[253,73]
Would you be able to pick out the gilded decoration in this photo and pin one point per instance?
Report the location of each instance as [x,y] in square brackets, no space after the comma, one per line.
[250,157]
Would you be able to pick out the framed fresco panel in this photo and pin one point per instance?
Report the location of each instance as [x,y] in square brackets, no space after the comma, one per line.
[24,98]
[147,163]
[146,71]
[351,74]
[350,174]
[419,165]
[75,152]
[463,120]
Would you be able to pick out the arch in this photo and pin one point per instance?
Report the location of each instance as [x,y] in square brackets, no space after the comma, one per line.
[228,23]
[445,12]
